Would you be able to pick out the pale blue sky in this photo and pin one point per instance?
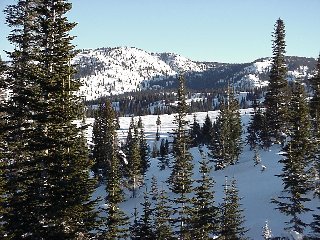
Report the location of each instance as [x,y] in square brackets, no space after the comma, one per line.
[207,30]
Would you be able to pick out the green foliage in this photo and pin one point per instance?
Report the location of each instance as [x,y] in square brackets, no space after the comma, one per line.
[206,130]
[49,188]
[163,229]
[225,147]
[180,179]
[232,215]
[104,135]
[205,219]
[297,156]
[195,132]
[278,95]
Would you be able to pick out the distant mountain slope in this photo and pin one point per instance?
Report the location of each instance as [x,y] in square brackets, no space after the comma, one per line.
[107,71]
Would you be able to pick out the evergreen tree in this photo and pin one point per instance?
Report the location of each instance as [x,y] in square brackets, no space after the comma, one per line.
[103,137]
[277,97]
[145,227]
[144,153]
[195,132]
[158,122]
[180,179]
[232,219]
[315,100]
[266,232]
[315,115]
[225,147]
[134,162]
[298,153]
[257,130]
[207,130]
[154,188]
[204,212]
[50,188]
[164,151]
[315,226]
[163,229]
[115,224]
[3,164]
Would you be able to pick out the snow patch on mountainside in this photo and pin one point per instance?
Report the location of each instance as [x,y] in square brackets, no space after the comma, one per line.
[125,69]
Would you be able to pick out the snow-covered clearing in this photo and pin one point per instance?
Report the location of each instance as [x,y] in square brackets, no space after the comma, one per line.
[256,187]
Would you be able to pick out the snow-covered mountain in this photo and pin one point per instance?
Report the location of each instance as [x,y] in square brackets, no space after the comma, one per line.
[108,71]
[111,71]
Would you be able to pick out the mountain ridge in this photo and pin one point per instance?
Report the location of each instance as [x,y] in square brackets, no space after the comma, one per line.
[115,70]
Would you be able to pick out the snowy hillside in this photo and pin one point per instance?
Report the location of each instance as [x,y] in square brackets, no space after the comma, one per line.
[256,187]
[112,71]
[108,71]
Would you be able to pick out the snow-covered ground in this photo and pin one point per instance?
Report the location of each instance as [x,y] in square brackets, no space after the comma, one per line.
[256,187]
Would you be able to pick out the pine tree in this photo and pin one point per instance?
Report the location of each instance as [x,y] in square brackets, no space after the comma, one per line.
[315,115]
[103,137]
[195,132]
[298,153]
[115,224]
[3,168]
[277,97]
[226,145]
[158,122]
[207,130]
[232,215]
[144,151]
[134,162]
[257,130]
[266,232]
[204,212]
[145,227]
[180,179]
[315,100]
[164,151]
[163,229]
[50,195]
[315,226]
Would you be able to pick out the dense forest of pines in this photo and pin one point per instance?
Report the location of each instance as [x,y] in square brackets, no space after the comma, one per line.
[48,173]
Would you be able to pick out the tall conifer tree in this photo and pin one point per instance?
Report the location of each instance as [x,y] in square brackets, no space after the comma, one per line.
[277,98]
[180,179]
[52,197]
[205,217]
[232,215]
[298,153]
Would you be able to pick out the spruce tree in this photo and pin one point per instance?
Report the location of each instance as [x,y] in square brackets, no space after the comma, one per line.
[103,137]
[158,122]
[195,132]
[315,115]
[315,100]
[49,197]
[207,130]
[277,97]
[204,212]
[115,223]
[3,147]
[315,226]
[257,132]
[266,232]
[232,215]
[134,161]
[226,145]
[144,151]
[297,154]
[145,228]
[163,229]
[180,179]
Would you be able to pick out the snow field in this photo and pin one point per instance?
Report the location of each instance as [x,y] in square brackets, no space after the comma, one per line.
[256,187]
